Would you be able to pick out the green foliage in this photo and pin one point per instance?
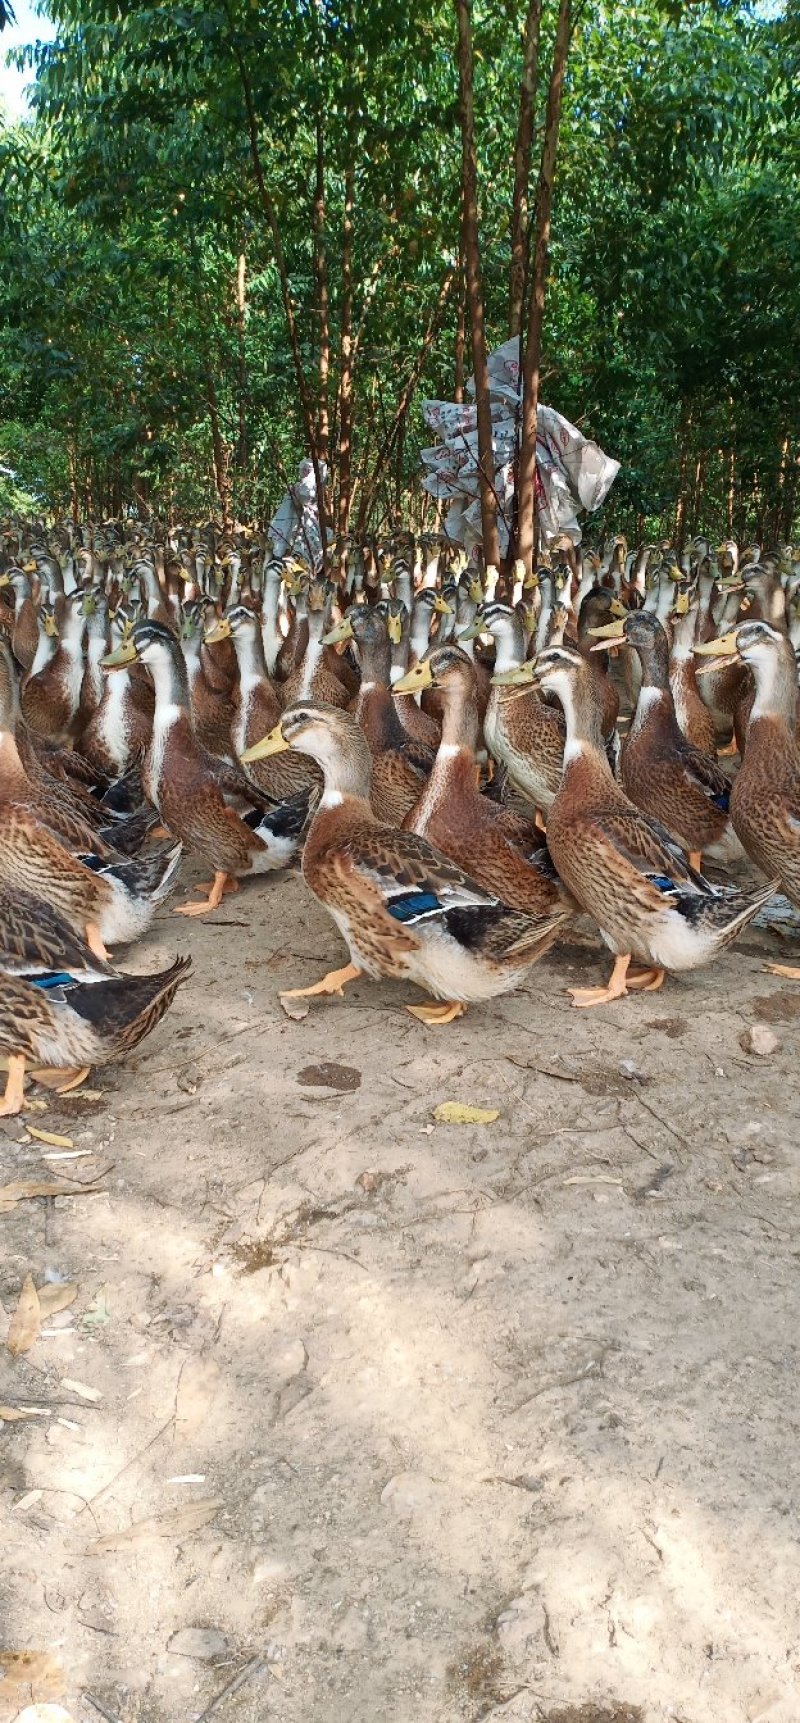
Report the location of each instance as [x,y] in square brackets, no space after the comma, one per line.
[673,318]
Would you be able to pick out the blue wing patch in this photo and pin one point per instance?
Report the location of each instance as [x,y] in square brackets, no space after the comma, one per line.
[48,981]
[660,880]
[413,905]
[722,801]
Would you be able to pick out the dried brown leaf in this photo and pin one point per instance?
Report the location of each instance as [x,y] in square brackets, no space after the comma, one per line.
[173,1523]
[24,1190]
[13,1414]
[50,1137]
[26,1321]
[53,1298]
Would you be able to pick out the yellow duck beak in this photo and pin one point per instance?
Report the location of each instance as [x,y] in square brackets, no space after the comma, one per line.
[29,568]
[341,631]
[676,573]
[617,609]
[681,604]
[476,591]
[273,743]
[394,629]
[473,631]
[220,630]
[725,647]
[523,674]
[51,627]
[441,606]
[125,654]
[613,631]
[414,680]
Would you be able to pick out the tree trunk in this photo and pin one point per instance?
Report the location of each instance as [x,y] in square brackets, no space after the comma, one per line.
[322,297]
[458,392]
[346,358]
[526,491]
[220,451]
[241,315]
[522,165]
[406,397]
[472,268]
[271,213]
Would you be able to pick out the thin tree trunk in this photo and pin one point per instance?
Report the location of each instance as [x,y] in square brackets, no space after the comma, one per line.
[241,314]
[526,492]
[271,213]
[406,397]
[522,164]
[322,296]
[346,357]
[472,268]
[458,393]
[220,451]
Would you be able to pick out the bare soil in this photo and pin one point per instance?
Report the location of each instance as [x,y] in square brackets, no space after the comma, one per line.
[490,1421]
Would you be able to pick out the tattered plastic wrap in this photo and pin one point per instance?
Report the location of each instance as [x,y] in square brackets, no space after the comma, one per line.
[572,472]
[294,528]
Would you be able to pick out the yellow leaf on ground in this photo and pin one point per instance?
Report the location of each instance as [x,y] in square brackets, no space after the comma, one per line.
[80,1389]
[457,1113]
[24,1190]
[50,1137]
[26,1321]
[12,1414]
[53,1298]
[173,1523]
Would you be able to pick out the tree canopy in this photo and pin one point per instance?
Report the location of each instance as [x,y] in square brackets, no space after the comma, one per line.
[230,227]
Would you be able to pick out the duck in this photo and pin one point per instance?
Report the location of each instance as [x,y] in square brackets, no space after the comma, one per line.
[51,695]
[316,676]
[209,695]
[494,845]
[258,708]
[188,787]
[405,911]
[622,866]
[25,625]
[765,798]
[58,1019]
[661,771]
[106,902]
[400,763]
[120,728]
[522,733]
[692,714]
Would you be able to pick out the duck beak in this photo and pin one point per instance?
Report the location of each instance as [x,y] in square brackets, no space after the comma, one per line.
[613,631]
[523,674]
[29,568]
[220,630]
[394,629]
[676,573]
[724,647]
[618,610]
[273,743]
[682,604]
[473,631]
[341,631]
[441,606]
[420,677]
[125,654]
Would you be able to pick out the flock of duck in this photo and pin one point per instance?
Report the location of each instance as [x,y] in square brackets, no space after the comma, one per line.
[467,760]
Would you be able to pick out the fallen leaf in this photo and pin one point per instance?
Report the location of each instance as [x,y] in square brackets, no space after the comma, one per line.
[80,1389]
[173,1523]
[329,1075]
[13,1414]
[27,1501]
[24,1190]
[295,1012]
[53,1297]
[51,1138]
[457,1113]
[26,1321]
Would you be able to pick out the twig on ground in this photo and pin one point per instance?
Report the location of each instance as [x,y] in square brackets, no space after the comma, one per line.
[253,1667]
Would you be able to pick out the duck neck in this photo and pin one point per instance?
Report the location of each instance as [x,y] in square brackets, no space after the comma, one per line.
[460,725]
[509,643]
[582,718]
[249,648]
[775,677]
[347,772]
[170,681]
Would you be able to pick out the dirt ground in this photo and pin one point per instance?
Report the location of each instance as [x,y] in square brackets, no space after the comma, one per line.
[424,1421]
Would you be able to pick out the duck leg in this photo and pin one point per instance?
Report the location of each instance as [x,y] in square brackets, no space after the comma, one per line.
[216,888]
[435,1011]
[231,884]
[94,940]
[13,1099]
[334,982]
[619,983]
